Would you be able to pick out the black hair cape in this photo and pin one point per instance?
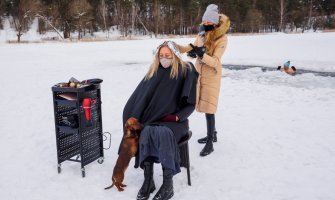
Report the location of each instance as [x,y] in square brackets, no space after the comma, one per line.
[160,96]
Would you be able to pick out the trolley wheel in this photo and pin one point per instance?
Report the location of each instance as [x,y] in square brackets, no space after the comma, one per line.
[101,160]
[59,169]
[83,172]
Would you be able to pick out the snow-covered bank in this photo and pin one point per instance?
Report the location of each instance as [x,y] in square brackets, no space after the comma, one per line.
[276,132]
[8,34]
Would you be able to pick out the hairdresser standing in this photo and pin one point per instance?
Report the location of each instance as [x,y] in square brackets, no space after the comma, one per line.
[208,48]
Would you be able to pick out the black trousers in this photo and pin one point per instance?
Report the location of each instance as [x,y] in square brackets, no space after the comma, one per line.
[210,119]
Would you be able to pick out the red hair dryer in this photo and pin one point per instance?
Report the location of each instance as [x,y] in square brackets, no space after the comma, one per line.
[87,105]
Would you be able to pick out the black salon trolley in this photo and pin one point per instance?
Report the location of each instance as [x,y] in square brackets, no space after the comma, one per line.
[78,138]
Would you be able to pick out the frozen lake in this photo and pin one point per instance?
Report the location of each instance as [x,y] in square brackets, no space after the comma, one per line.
[276,132]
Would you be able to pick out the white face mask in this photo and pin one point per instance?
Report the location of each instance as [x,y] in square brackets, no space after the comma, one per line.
[166,62]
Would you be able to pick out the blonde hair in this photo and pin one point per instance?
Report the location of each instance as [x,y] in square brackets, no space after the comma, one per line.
[176,63]
[219,31]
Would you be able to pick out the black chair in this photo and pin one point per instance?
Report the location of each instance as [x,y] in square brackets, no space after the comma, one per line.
[184,154]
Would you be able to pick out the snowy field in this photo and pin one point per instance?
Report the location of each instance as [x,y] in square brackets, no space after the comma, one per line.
[276,132]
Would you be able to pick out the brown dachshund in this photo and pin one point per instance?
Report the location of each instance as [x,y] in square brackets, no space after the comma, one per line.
[127,151]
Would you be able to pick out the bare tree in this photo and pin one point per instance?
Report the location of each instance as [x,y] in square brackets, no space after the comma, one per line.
[253,20]
[133,16]
[80,11]
[2,11]
[23,12]
[282,10]
[59,14]
[310,14]
[156,16]
[46,20]
[103,10]
[121,15]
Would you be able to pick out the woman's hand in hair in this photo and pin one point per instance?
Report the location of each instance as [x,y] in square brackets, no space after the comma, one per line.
[200,51]
[192,53]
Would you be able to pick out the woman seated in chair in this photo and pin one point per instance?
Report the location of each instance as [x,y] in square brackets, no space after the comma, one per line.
[162,102]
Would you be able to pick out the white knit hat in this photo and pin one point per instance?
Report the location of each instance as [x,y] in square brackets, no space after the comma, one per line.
[211,14]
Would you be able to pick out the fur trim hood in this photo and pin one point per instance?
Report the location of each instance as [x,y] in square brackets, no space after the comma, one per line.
[224,24]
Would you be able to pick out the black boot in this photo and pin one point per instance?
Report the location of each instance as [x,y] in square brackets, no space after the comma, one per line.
[166,190]
[211,135]
[207,149]
[204,139]
[148,184]
[211,132]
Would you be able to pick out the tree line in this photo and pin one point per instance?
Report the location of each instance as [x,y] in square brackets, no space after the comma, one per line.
[153,17]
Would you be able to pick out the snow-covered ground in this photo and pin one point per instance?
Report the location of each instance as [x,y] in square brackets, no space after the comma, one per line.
[276,132]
